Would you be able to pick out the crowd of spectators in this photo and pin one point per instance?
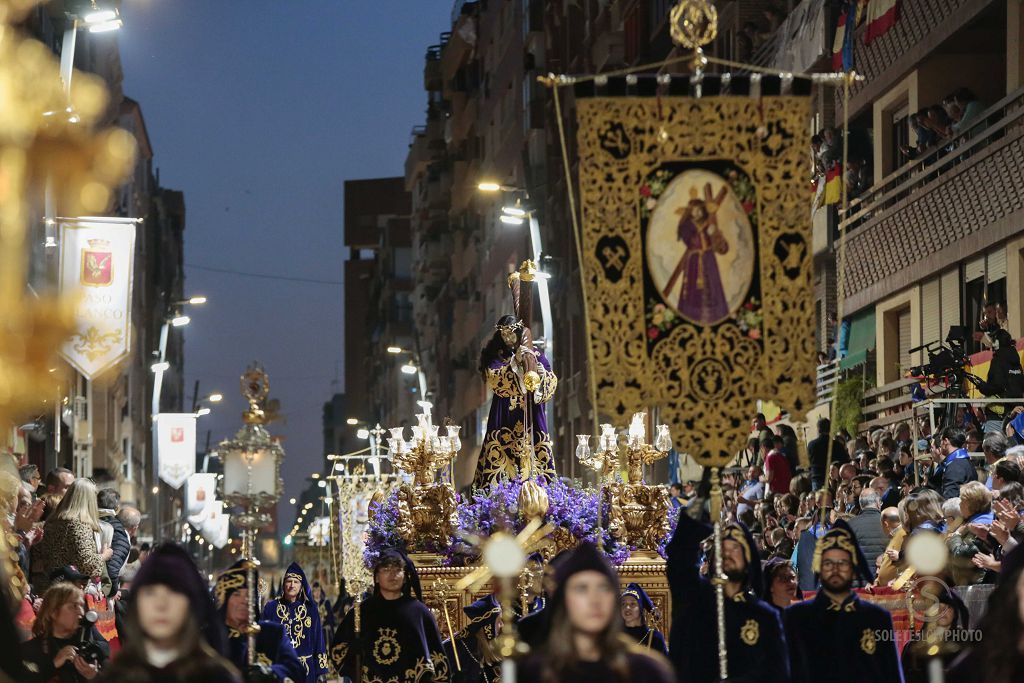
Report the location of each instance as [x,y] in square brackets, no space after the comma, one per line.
[76,553]
[963,485]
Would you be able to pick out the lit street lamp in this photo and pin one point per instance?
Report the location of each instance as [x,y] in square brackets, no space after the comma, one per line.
[159,368]
[517,214]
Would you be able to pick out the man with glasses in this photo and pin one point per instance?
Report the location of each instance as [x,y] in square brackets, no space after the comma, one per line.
[952,464]
[836,636]
[397,638]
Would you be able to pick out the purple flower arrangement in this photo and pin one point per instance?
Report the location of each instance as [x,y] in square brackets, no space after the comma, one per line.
[572,508]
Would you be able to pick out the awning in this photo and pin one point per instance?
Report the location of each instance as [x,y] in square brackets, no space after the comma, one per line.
[862,339]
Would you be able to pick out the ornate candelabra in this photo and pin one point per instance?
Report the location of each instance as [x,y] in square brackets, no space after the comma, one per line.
[638,513]
[252,481]
[426,506]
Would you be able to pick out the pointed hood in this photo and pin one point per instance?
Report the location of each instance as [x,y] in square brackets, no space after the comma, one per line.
[482,615]
[294,571]
[739,533]
[646,604]
[234,578]
[842,537]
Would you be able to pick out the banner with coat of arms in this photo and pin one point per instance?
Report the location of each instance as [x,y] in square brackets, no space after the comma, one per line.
[697,253]
[176,447]
[97,257]
[200,497]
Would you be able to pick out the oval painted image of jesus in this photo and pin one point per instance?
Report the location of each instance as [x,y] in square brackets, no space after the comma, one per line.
[700,247]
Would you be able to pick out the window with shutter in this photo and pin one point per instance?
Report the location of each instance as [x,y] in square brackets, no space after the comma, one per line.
[931,312]
[904,322]
[950,295]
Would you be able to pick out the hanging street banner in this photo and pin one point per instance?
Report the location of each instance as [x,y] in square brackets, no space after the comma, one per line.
[200,497]
[97,256]
[215,527]
[176,447]
[696,239]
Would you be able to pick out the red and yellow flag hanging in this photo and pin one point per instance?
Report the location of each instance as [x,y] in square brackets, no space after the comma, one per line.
[882,15]
[834,184]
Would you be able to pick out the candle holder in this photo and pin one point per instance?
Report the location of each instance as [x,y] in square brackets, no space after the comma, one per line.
[637,513]
[426,506]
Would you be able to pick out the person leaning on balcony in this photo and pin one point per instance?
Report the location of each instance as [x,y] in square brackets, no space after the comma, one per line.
[952,466]
[963,107]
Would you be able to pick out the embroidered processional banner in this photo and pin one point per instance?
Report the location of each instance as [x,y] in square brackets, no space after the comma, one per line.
[696,241]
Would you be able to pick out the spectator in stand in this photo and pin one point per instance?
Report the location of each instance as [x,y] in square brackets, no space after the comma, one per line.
[751,491]
[868,527]
[952,466]
[789,446]
[859,484]
[759,428]
[903,438]
[58,480]
[69,537]
[1013,493]
[973,443]
[1005,471]
[891,563]
[971,538]
[109,504]
[817,453]
[776,469]
[994,447]
[56,652]
[886,489]
[951,514]
[847,472]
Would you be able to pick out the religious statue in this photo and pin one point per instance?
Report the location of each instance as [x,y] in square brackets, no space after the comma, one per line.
[517,444]
[702,297]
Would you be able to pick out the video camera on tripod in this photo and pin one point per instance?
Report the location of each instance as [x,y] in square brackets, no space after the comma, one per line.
[947,362]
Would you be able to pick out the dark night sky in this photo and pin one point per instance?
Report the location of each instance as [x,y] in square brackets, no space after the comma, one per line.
[259,111]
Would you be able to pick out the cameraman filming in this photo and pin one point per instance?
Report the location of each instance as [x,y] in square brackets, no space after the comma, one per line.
[1005,379]
[67,648]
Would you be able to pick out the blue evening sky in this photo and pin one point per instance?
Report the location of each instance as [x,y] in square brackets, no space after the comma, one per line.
[259,111]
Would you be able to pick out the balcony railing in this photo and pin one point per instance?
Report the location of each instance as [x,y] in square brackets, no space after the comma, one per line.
[827,376]
[926,205]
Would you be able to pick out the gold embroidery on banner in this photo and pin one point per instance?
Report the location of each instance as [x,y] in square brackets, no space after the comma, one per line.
[322,661]
[751,632]
[386,649]
[697,374]
[867,641]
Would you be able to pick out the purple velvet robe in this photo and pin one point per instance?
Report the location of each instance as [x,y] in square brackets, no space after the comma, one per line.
[504,454]
[702,297]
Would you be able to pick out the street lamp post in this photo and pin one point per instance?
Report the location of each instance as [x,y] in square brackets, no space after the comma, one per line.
[517,214]
[159,368]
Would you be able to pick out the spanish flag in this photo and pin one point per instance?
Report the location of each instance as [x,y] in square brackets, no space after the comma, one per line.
[833,184]
[882,15]
[839,42]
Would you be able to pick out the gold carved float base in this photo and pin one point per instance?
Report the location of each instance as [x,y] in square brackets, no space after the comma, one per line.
[644,568]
